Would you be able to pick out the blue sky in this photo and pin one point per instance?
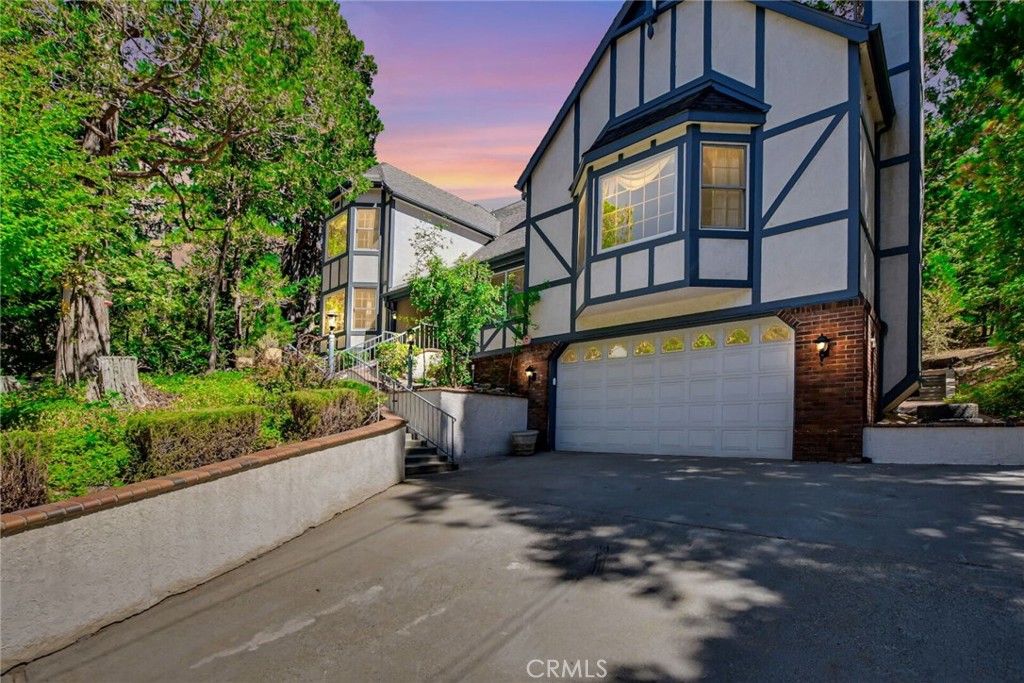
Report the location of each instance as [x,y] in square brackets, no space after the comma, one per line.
[466,90]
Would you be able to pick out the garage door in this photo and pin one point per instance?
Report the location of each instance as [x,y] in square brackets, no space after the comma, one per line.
[722,390]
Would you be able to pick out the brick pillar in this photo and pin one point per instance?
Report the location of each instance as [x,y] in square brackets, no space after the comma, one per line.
[833,401]
[494,370]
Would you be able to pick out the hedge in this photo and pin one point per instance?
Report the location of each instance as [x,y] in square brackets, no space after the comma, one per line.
[23,457]
[167,442]
[319,412]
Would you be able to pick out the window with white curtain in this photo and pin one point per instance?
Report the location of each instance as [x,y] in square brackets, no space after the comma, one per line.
[723,187]
[638,202]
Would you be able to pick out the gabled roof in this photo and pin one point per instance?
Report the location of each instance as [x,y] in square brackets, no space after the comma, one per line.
[419,192]
[506,245]
[635,12]
[708,98]
[510,216]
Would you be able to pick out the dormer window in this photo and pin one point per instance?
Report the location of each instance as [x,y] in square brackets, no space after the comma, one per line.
[723,187]
[638,202]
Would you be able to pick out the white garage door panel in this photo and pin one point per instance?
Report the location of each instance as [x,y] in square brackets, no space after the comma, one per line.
[727,392]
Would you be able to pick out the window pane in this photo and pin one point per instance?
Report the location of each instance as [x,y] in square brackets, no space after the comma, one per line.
[723,166]
[638,202]
[644,348]
[516,277]
[672,344]
[337,235]
[367,234]
[617,351]
[739,336]
[364,308]
[704,341]
[593,353]
[334,303]
[775,333]
[570,356]
[721,208]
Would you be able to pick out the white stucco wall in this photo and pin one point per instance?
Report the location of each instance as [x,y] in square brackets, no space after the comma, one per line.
[689,41]
[483,422]
[407,220]
[733,40]
[804,262]
[945,445]
[627,83]
[66,580]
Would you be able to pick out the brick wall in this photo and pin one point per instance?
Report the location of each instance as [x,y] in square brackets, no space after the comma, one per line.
[494,370]
[836,400]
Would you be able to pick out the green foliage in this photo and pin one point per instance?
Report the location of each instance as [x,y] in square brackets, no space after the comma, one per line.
[458,300]
[1002,397]
[23,457]
[181,170]
[165,442]
[87,457]
[393,358]
[320,412]
[974,239]
[222,388]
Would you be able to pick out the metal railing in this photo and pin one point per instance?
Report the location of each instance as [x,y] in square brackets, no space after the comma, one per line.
[423,418]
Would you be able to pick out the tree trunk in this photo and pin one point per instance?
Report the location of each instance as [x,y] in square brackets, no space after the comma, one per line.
[83,333]
[300,261]
[215,286]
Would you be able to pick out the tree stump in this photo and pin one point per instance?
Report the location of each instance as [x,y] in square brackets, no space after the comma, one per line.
[9,383]
[118,374]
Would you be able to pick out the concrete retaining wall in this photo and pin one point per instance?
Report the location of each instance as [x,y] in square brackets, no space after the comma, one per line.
[945,445]
[483,422]
[70,568]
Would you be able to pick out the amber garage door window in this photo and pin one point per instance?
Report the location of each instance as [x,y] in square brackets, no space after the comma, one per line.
[367,234]
[364,308]
[337,235]
[723,188]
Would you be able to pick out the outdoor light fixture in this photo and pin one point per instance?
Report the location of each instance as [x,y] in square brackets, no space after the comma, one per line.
[822,342]
[530,374]
[332,320]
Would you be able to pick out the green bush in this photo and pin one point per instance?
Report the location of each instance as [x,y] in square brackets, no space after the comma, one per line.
[87,457]
[166,442]
[393,358]
[1002,398]
[319,412]
[23,458]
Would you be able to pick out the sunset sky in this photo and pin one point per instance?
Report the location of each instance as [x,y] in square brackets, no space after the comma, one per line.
[466,90]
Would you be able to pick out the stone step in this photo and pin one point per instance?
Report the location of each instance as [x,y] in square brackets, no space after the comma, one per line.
[430,468]
[415,443]
[419,450]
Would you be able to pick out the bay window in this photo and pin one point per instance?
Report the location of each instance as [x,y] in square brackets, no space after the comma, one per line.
[638,202]
[723,187]
[337,236]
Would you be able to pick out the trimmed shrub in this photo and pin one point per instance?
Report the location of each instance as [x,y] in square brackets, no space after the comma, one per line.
[166,442]
[23,458]
[319,412]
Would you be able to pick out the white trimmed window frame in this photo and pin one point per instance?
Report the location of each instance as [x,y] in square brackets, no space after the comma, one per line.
[599,198]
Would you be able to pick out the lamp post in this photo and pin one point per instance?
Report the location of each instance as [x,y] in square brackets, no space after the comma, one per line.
[332,323]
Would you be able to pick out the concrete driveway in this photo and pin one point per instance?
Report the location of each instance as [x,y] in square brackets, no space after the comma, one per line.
[560,567]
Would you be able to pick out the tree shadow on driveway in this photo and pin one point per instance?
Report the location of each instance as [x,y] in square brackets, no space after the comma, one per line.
[767,571]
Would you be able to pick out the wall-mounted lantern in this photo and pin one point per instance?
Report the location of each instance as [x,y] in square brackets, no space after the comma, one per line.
[332,321]
[823,343]
[530,374]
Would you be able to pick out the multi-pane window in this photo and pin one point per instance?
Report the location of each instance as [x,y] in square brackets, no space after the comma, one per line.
[723,187]
[367,232]
[638,202]
[513,277]
[364,308]
[581,241]
[334,304]
[337,235]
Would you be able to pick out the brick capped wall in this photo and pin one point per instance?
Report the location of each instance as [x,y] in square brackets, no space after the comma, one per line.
[494,370]
[836,400]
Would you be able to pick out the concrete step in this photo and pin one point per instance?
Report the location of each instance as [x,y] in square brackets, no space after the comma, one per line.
[415,443]
[419,450]
[433,468]
[433,459]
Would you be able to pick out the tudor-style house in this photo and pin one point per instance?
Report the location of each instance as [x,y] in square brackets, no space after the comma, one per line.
[725,215]
[726,212]
[368,252]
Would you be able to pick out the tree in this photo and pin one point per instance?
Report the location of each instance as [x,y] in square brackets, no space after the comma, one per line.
[974,227]
[225,122]
[458,300]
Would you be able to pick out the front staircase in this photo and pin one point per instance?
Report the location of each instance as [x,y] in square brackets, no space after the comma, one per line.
[423,458]
[430,431]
